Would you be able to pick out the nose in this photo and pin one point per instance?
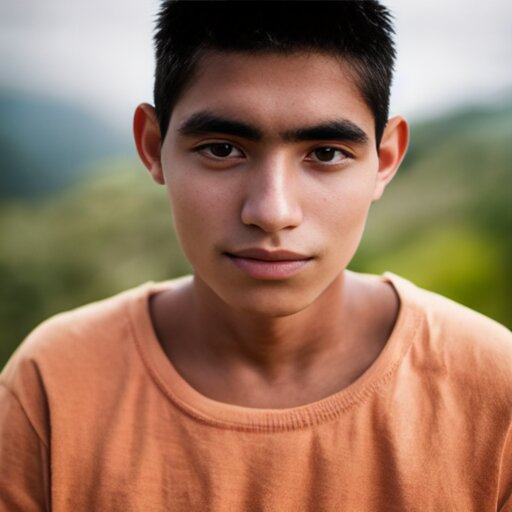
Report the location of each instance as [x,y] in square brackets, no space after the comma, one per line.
[272,198]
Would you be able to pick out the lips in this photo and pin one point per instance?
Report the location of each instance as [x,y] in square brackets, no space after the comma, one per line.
[263,264]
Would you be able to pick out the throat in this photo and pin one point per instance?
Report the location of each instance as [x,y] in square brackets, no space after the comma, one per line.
[280,362]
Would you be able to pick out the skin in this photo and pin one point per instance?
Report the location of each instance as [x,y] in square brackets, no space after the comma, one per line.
[287,341]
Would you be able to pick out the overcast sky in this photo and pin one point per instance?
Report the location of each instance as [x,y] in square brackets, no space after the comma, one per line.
[99,53]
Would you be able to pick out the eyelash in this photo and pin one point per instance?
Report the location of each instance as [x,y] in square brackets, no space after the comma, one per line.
[207,147]
[202,148]
[346,155]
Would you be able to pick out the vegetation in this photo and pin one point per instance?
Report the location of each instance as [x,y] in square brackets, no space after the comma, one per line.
[446,220]
[48,144]
[444,223]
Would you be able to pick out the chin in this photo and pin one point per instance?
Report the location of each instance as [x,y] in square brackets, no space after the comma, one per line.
[270,310]
[266,299]
[273,302]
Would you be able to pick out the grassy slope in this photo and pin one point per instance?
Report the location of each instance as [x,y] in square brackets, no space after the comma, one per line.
[446,221]
[103,236]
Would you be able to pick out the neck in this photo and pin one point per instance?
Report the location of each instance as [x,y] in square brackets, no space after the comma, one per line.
[270,344]
[259,361]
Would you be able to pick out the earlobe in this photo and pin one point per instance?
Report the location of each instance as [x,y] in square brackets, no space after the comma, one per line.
[392,149]
[146,132]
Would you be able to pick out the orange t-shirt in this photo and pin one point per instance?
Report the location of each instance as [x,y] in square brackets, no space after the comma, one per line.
[93,417]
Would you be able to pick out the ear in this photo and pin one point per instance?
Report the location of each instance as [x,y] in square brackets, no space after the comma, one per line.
[393,146]
[146,132]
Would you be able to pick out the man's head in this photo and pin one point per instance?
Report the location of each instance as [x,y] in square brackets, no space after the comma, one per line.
[271,157]
[358,33]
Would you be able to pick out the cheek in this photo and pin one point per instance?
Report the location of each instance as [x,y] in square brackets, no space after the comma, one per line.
[341,216]
[200,210]
[189,210]
[345,203]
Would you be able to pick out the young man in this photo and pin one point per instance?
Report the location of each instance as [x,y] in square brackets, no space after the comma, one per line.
[273,379]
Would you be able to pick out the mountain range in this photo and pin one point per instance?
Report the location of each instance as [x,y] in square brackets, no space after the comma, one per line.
[47,144]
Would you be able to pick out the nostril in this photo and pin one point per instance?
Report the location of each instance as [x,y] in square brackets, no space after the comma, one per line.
[271,217]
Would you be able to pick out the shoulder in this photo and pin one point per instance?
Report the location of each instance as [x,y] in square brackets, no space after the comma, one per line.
[67,349]
[452,340]
[458,327]
[451,322]
[96,338]
[59,356]
[72,331]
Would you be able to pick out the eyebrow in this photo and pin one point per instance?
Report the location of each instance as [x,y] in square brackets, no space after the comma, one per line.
[207,122]
[341,130]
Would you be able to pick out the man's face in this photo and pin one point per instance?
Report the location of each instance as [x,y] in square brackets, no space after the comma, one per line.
[268,155]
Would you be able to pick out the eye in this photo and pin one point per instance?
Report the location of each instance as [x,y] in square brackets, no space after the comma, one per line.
[328,155]
[220,150]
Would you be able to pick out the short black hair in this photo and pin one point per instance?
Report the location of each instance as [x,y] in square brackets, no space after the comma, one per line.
[358,31]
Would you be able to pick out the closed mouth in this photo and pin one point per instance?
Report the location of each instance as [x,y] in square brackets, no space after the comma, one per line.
[261,264]
[261,254]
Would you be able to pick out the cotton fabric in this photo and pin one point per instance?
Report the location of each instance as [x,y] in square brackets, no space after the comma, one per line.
[93,416]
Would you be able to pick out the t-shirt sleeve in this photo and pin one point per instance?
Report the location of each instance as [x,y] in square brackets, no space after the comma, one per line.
[24,468]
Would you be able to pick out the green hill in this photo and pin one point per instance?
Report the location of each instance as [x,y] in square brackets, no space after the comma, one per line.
[47,144]
[445,222]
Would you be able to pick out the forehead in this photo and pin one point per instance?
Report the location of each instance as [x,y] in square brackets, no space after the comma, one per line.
[276,92]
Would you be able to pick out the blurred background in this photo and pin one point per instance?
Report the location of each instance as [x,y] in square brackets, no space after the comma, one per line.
[80,219]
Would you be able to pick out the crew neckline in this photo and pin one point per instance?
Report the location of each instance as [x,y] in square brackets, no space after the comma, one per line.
[236,417]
